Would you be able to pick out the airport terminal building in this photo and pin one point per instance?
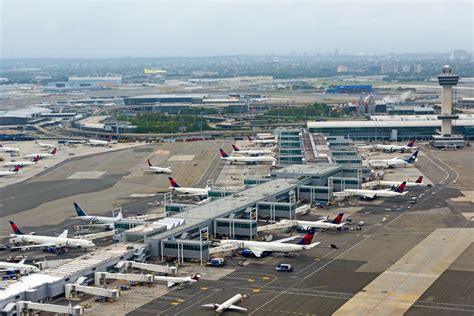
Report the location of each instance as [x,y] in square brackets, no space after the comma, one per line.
[394,128]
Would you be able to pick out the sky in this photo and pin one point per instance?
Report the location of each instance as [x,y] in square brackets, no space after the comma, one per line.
[142,28]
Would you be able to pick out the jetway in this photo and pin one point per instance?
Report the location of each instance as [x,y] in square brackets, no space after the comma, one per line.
[51,263]
[223,248]
[303,209]
[71,290]
[278,225]
[100,277]
[30,308]
[105,234]
[147,266]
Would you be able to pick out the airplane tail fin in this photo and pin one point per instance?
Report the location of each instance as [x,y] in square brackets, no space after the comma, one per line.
[196,277]
[419,180]
[250,138]
[17,168]
[338,219]
[223,153]
[401,187]
[149,163]
[79,210]
[173,183]
[36,159]
[109,139]
[308,238]
[411,143]
[235,148]
[119,216]
[15,228]
[22,261]
[413,157]
[53,152]
[63,234]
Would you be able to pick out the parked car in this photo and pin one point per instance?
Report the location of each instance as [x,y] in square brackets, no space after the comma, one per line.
[284,267]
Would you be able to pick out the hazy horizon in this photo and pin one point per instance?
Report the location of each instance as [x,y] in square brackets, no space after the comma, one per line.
[116,29]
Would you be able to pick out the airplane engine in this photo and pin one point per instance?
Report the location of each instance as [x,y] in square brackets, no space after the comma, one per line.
[246,253]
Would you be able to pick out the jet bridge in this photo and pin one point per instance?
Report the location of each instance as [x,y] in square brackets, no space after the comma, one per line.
[146,266]
[100,277]
[71,290]
[278,225]
[29,308]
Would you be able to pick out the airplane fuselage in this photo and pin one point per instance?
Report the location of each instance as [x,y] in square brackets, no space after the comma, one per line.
[55,241]
[21,267]
[378,193]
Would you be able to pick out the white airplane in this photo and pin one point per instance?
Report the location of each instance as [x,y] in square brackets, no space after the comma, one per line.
[417,183]
[22,163]
[394,162]
[252,152]
[228,305]
[155,169]
[265,136]
[246,159]
[6,149]
[177,280]
[21,267]
[175,187]
[335,224]
[42,155]
[261,248]
[372,194]
[9,173]
[97,142]
[401,148]
[45,145]
[52,244]
[263,141]
[106,221]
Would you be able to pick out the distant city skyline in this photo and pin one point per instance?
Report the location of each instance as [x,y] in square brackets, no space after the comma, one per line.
[114,29]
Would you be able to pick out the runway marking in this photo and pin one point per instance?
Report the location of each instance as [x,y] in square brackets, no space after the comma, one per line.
[181,158]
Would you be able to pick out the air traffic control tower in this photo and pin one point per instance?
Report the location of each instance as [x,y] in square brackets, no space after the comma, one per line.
[447,139]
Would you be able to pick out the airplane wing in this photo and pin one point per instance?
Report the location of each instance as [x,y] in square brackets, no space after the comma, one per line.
[257,251]
[236,308]
[370,196]
[170,284]
[314,244]
[210,305]
[286,239]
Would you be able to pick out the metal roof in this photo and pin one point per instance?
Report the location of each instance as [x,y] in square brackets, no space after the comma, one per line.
[318,169]
[25,113]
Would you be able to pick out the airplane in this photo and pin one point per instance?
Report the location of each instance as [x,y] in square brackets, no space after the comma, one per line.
[178,280]
[41,156]
[97,142]
[394,162]
[45,145]
[9,149]
[21,267]
[417,183]
[157,169]
[9,173]
[228,305]
[335,224]
[252,152]
[261,248]
[22,163]
[263,141]
[106,221]
[372,194]
[401,148]
[246,159]
[52,244]
[175,187]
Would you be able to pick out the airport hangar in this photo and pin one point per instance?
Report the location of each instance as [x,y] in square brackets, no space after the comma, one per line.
[394,128]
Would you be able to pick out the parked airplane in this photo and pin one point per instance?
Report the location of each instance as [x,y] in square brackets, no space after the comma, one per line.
[6,149]
[106,221]
[177,280]
[155,169]
[45,145]
[261,248]
[372,194]
[175,187]
[97,142]
[42,155]
[252,152]
[401,148]
[246,159]
[417,183]
[228,305]
[394,162]
[20,267]
[22,163]
[52,244]
[9,173]
[336,223]
[263,141]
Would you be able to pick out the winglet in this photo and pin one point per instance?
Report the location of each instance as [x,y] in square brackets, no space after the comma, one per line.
[15,228]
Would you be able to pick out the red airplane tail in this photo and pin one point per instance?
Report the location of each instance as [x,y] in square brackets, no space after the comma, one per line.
[149,163]
[223,153]
[235,148]
[338,218]
[53,152]
[419,180]
[173,183]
